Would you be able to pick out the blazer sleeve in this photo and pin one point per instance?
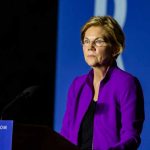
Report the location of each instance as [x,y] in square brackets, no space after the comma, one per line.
[67,119]
[132,115]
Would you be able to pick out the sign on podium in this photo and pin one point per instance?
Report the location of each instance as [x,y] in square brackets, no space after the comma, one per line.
[6,132]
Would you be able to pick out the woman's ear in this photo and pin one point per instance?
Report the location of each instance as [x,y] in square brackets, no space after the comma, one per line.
[115,52]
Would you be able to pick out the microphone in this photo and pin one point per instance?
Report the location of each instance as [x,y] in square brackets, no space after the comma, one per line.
[25,94]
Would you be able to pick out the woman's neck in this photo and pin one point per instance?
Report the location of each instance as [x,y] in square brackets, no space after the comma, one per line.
[99,73]
[101,70]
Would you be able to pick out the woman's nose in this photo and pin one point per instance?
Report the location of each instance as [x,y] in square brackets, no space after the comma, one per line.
[91,46]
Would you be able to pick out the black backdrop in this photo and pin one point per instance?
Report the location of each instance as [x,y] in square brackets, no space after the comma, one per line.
[27,58]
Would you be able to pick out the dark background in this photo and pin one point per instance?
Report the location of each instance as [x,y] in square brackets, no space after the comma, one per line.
[27,58]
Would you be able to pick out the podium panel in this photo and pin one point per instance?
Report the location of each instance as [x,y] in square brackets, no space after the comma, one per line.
[35,137]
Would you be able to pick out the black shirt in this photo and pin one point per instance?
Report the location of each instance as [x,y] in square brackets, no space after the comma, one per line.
[86,129]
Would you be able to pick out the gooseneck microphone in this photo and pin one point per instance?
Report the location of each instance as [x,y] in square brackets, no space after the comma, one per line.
[25,94]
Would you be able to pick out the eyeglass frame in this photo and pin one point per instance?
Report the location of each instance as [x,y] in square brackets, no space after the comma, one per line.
[94,42]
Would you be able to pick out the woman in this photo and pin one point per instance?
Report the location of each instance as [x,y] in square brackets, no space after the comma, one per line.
[105,107]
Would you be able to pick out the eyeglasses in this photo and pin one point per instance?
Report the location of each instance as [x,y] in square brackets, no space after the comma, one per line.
[97,42]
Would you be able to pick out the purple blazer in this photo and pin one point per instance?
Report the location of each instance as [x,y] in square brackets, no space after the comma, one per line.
[119,113]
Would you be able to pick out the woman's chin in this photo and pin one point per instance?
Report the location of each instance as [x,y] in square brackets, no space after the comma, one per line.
[92,64]
[95,64]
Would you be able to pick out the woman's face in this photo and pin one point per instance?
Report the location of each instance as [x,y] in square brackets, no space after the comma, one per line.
[96,51]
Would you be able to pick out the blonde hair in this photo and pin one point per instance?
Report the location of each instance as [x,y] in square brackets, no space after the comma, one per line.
[113,32]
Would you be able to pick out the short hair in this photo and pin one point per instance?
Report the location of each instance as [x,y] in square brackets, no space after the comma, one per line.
[113,32]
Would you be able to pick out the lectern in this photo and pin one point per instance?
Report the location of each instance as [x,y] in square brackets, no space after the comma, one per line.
[37,137]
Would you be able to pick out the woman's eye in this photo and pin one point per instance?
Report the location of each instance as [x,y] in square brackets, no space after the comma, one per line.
[86,41]
[98,41]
